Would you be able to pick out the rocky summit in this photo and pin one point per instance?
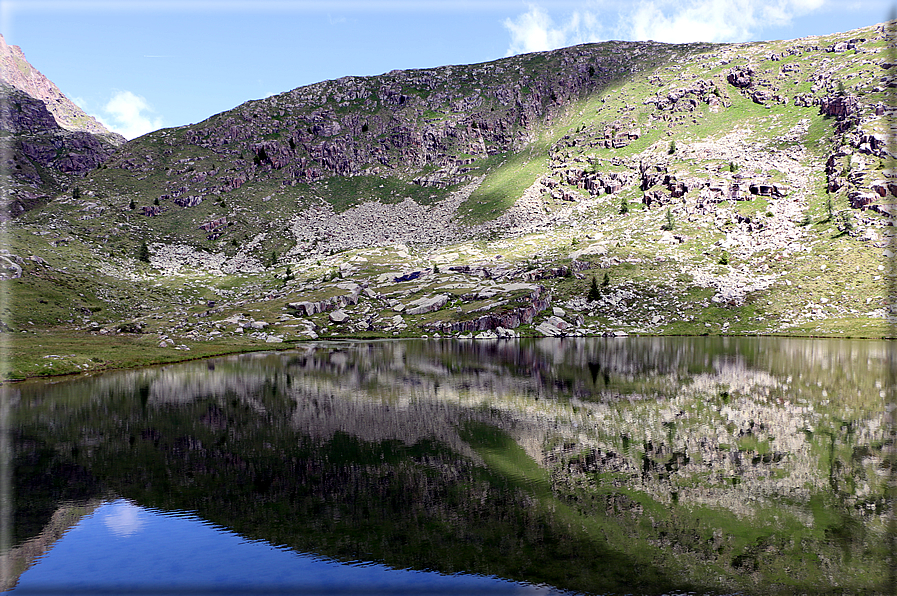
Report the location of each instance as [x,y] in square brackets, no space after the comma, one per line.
[603,189]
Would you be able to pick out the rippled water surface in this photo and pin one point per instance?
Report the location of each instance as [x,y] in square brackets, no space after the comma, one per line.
[600,466]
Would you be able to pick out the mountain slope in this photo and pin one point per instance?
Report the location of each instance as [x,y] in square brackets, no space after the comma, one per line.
[40,158]
[604,188]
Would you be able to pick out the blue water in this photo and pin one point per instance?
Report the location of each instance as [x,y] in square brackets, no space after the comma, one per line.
[123,548]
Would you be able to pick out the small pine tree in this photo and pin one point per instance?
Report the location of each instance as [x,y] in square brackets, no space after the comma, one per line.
[672,148]
[724,258]
[624,206]
[273,258]
[132,205]
[732,166]
[435,268]
[594,292]
[156,201]
[606,281]
[846,222]
[143,254]
[670,222]
[76,192]
[829,208]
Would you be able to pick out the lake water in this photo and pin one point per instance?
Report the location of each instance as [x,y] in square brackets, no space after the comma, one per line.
[598,466]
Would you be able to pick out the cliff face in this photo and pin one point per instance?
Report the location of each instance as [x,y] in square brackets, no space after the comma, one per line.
[39,156]
[18,73]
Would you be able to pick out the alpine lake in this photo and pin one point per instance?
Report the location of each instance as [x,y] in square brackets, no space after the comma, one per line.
[660,465]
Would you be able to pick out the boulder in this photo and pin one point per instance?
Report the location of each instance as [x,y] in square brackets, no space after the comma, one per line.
[740,77]
[427,304]
[338,317]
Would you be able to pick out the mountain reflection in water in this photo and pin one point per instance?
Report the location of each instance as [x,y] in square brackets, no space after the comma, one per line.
[642,465]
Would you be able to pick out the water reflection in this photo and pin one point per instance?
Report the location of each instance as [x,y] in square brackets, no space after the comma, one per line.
[181,553]
[638,465]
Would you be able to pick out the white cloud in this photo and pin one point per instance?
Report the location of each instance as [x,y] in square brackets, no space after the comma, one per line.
[674,21]
[678,21]
[123,518]
[129,115]
[535,31]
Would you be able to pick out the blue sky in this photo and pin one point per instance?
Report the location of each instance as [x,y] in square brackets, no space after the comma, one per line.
[140,65]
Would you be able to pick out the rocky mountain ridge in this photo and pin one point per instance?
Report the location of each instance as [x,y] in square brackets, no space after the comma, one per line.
[19,73]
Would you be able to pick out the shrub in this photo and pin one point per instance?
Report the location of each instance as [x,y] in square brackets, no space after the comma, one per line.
[672,148]
[724,258]
[624,206]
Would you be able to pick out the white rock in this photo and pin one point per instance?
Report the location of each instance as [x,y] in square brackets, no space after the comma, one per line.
[427,304]
[547,329]
[338,317]
[505,333]
[486,335]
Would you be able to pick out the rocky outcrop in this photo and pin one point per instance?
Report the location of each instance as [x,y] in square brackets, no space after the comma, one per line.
[841,106]
[741,77]
[560,271]
[40,158]
[509,318]
[307,308]
[426,304]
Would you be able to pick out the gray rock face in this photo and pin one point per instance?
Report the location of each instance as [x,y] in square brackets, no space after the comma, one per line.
[426,304]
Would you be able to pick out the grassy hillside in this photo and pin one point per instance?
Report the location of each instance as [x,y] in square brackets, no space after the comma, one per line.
[706,189]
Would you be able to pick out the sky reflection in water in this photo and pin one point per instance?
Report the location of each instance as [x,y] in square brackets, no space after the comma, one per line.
[125,548]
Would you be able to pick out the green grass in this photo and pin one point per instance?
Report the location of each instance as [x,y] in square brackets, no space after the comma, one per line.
[504,184]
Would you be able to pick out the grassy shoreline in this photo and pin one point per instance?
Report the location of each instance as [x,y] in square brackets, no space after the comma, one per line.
[51,354]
